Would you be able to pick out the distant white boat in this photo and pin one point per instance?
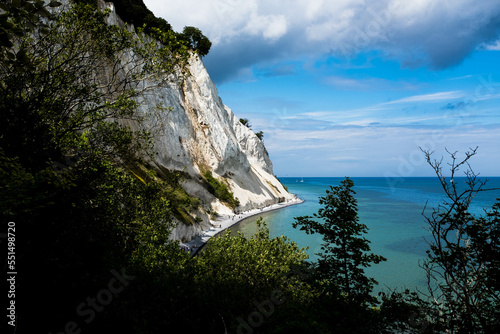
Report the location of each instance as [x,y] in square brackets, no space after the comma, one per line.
[302,180]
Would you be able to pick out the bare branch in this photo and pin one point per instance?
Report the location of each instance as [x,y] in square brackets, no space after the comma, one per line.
[457,278]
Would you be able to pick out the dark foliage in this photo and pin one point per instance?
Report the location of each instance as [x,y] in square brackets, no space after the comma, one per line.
[136,13]
[462,264]
[345,251]
[196,40]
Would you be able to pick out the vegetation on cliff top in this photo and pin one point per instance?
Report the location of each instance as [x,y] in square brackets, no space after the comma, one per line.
[135,12]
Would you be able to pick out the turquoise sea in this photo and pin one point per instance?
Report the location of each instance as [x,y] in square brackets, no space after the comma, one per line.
[392,210]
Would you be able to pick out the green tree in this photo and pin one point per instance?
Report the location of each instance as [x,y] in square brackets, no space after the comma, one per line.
[345,251]
[260,135]
[245,122]
[196,40]
[19,18]
[463,259]
[222,283]
[81,90]
[235,272]
[135,12]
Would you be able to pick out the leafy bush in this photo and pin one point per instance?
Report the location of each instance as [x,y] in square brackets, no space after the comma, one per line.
[245,122]
[180,202]
[135,12]
[196,40]
[220,190]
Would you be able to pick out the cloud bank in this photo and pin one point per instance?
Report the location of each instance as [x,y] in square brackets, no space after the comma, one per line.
[430,33]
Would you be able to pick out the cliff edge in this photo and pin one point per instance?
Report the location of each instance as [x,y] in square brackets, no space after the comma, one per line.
[198,133]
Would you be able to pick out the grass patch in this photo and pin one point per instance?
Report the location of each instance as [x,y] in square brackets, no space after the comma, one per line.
[219,190]
[180,202]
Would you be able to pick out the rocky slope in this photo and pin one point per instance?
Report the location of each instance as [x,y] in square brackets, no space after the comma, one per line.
[200,133]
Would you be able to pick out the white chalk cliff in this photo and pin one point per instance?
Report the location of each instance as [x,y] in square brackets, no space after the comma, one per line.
[200,132]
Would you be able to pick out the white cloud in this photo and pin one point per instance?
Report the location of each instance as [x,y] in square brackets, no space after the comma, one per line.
[389,113]
[420,32]
[429,97]
[366,84]
[462,77]
[271,27]
[222,20]
[495,46]
[387,150]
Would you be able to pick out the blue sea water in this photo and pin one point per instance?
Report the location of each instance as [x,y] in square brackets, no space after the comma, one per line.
[391,209]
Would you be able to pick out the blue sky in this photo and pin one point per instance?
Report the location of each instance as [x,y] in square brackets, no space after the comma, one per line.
[355,87]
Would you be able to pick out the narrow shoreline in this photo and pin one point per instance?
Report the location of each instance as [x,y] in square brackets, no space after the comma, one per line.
[226,221]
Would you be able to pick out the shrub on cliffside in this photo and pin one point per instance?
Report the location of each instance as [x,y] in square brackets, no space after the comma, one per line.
[220,190]
[136,12]
[196,40]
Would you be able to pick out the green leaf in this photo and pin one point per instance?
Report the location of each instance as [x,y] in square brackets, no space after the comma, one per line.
[29,7]
[16,3]
[11,55]
[6,24]
[5,41]
[22,56]
[18,31]
[55,3]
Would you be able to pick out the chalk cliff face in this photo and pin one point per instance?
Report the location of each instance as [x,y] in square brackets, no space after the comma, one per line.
[200,133]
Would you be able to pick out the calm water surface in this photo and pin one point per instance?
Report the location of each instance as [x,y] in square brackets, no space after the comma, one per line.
[392,211]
